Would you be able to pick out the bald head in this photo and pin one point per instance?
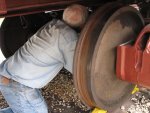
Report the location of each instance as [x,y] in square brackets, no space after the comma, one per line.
[75,15]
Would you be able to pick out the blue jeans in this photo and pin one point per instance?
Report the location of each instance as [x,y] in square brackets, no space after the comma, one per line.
[22,99]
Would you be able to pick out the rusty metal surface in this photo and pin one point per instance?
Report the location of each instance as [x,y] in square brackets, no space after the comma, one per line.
[108,91]
[85,49]
[133,60]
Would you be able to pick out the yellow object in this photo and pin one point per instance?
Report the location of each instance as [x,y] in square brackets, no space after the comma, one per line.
[96,110]
[136,89]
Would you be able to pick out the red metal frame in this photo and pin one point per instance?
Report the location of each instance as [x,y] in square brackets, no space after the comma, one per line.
[26,4]
[133,61]
[2,7]
[24,7]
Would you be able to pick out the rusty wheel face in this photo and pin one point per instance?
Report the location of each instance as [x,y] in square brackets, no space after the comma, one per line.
[84,52]
[108,91]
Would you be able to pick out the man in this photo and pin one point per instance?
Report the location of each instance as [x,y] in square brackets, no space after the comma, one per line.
[38,61]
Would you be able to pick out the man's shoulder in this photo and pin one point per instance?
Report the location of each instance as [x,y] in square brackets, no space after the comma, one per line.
[62,26]
[64,29]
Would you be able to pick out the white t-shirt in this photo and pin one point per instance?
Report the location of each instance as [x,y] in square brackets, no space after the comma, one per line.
[39,60]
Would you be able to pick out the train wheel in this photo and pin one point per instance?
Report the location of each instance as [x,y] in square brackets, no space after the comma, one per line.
[108,91]
[85,49]
[94,64]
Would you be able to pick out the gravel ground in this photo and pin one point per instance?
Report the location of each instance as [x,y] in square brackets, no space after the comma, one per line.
[61,95]
[139,103]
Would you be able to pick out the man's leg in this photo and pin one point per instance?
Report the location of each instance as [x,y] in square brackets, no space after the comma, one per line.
[22,99]
[6,110]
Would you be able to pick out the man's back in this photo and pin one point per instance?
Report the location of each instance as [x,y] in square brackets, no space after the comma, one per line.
[39,60]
